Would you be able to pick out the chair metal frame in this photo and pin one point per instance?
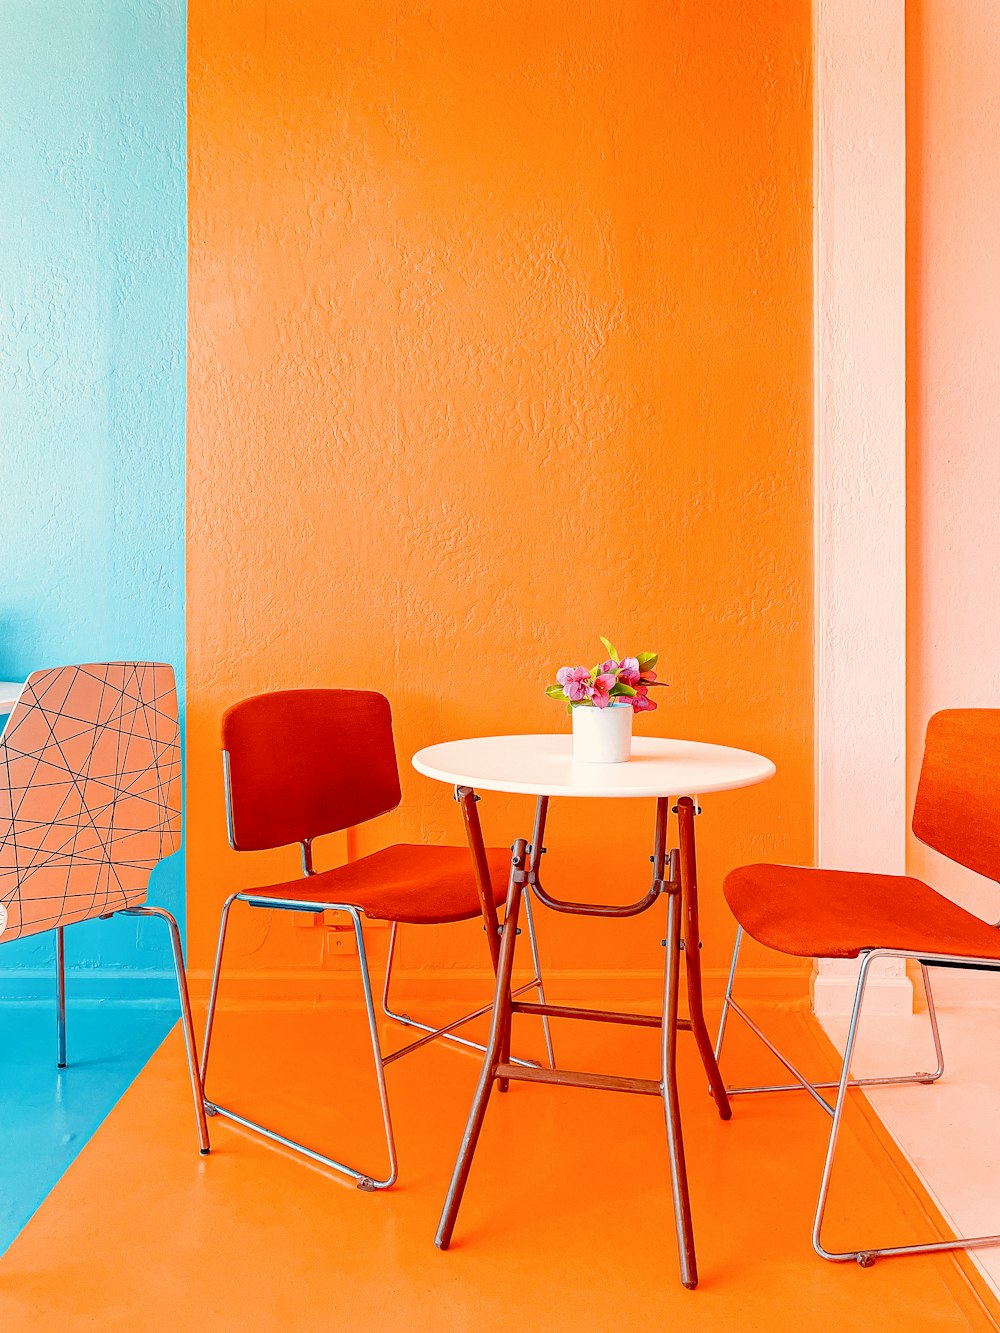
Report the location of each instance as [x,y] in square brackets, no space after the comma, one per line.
[845,1083]
[187,1020]
[363,1180]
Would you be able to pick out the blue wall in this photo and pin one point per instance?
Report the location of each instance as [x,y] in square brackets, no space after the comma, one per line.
[92,379]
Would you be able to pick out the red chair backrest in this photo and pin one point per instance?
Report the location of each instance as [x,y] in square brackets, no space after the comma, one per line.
[307,762]
[957,809]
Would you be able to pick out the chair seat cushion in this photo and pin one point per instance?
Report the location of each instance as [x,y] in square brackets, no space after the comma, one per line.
[415,884]
[840,913]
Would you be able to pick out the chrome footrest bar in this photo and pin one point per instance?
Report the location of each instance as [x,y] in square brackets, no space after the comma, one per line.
[897,1081]
[865,1258]
[364,1182]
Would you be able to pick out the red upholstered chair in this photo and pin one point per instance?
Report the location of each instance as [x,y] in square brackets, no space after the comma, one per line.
[302,763]
[840,914]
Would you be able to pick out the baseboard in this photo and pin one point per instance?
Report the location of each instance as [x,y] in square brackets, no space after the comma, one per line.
[90,985]
[833,996]
[317,986]
[272,987]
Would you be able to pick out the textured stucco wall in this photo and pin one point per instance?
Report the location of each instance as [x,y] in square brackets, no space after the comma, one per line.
[92,286]
[953,377]
[500,339]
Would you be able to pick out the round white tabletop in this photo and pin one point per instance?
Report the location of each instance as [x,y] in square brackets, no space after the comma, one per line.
[544,766]
[10,692]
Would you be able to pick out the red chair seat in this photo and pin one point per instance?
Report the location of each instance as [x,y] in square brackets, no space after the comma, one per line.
[412,884]
[840,913]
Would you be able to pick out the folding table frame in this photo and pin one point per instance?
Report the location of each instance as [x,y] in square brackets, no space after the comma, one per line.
[675,878]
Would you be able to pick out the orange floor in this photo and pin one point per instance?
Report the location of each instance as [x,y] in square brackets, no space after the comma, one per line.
[566,1224]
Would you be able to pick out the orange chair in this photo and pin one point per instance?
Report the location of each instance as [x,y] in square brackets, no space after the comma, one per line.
[841,914]
[298,764]
[90,803]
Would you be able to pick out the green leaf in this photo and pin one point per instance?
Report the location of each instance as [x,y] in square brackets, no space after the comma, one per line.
[612,650]
[647,661]
[555,692]
[622,689]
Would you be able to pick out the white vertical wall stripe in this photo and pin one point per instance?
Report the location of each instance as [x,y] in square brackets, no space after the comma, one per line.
[860,497]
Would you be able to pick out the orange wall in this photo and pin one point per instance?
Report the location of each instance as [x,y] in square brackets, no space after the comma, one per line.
[500,328]
[953,381]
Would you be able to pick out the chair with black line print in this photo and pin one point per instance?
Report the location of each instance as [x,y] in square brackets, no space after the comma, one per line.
[90,803]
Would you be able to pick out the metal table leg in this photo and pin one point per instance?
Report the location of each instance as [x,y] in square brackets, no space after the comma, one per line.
[692,953]
[498,1027]
[668,1086]
[469,802]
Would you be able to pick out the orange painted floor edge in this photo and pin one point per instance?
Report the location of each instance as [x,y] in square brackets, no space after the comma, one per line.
[566,1223]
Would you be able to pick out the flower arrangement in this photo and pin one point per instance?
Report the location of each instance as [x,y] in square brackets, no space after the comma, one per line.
[619,679]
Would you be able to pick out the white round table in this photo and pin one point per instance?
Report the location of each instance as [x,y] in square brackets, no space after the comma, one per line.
[543,766]
[10,692]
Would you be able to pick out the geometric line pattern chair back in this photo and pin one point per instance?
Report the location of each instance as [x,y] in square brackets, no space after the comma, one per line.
[90,792]
[957,808]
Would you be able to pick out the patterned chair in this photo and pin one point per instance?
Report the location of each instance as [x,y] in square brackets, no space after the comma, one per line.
[89,804]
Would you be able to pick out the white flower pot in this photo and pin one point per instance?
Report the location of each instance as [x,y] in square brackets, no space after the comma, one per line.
[602,735]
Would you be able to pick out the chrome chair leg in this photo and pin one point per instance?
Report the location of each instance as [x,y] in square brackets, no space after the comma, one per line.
[213,994]
[727,998]
[539,987]
[445,1033]
[60,999]
[187,1022]
[383,1094]
[935,1030]
[865,1258]
[363,1180]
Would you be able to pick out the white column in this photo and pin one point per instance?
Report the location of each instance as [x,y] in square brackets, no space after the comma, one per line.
[860,341]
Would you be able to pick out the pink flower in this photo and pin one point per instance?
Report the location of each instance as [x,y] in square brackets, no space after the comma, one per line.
[576,683]
[604,683]
[628,671]
[641,702]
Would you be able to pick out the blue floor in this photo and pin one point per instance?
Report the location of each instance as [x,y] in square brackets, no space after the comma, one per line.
[47,1115]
